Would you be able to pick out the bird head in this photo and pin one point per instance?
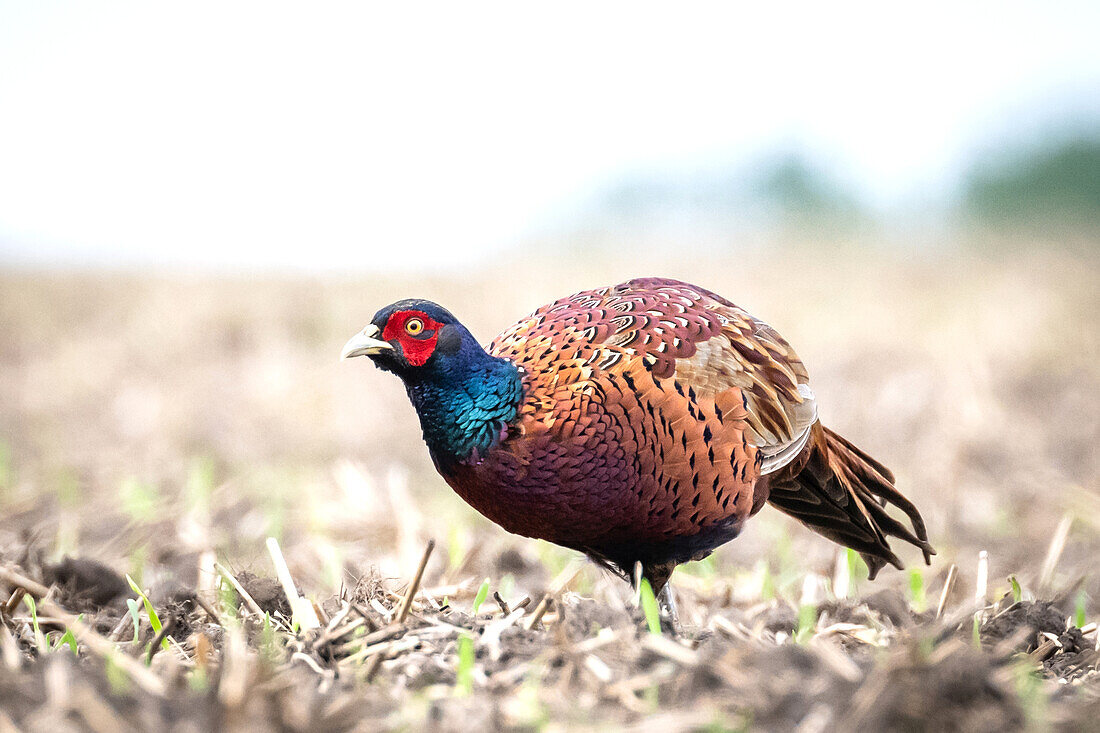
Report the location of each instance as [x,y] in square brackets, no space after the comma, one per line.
[409,338]
[463,395]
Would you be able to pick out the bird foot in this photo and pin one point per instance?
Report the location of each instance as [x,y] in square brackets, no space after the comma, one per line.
[666,604]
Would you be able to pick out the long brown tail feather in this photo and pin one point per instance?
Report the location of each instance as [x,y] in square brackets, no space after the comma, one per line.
[842,493]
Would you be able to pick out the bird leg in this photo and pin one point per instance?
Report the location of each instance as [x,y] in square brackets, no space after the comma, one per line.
[666,603]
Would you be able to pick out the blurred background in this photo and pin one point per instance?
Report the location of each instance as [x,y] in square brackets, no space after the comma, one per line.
[199,204]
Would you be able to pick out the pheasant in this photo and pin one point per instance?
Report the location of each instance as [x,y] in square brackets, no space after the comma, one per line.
[642,423]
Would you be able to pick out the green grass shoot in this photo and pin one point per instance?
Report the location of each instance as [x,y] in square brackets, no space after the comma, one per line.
[458,541]
[482,594]
[39,638]
[807,620]
[134,605]
[139,500]
[1079,608]
[227,596]
[649,607]
[857,568]
[271,651]
[976,631]
[767,580]
[69,639]
[722,724]
[332,564]
[154,619]
[1032,696]
[1017,592]
[917,599]
[117,679]
[506,586]
[850,559]
[464,672]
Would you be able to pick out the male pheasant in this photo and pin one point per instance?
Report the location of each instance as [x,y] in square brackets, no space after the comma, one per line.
[639,423]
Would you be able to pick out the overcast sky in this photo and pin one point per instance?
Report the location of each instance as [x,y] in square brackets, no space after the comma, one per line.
[343,135]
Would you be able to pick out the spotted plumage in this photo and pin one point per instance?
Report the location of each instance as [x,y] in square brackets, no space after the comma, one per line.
[643,422]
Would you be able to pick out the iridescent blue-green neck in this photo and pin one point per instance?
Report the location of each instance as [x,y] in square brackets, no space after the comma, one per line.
[465,400]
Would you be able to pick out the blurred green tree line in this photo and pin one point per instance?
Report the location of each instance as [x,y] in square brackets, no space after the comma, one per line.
[1053,183]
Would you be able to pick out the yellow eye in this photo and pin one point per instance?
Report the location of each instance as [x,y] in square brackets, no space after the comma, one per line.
[414,326]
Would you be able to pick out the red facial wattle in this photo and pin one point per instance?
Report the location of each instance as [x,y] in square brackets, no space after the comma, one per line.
[417,348]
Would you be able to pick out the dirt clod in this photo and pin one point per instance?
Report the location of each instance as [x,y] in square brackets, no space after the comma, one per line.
[1034,617]
[267,593]
[85,584]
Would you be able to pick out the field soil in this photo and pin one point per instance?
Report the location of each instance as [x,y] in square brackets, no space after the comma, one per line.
[170,443]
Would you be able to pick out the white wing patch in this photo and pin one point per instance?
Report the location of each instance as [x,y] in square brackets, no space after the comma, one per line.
[777,456]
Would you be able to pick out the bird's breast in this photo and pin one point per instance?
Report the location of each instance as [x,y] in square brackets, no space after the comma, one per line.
[589,467]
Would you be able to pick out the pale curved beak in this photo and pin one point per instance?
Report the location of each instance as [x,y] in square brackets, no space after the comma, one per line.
[365,343]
